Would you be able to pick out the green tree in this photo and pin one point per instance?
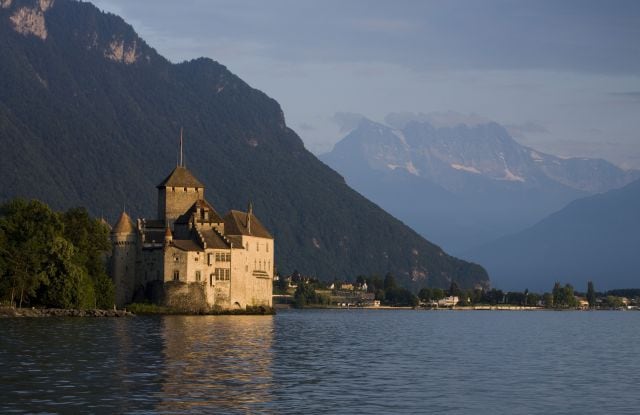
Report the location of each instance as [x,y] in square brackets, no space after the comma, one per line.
[389,282]
[425,294]
[304,295]
[437,294]
[547,298]
[454,290]
[591,294]
[29,229]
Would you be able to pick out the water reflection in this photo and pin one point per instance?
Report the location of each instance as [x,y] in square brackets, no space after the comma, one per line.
[220,364]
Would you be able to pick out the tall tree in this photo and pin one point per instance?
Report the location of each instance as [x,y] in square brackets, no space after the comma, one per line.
[591,294]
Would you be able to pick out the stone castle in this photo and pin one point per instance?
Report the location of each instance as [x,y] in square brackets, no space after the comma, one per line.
[190,257]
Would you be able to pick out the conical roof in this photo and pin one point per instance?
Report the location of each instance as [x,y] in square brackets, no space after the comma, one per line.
[124,224]
[180,177]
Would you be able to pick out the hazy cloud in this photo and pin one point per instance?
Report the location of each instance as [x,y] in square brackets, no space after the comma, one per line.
[528,127]
[437,119]
[347,121]
[304,126]
[630,95]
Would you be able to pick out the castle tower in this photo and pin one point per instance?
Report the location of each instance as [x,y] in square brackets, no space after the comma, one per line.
[123,260]
[177,193]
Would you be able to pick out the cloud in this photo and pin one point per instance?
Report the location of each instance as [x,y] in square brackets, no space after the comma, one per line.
[306,126]
[437,119]
[383,25]
[347,121]
[633,96]
[525,128]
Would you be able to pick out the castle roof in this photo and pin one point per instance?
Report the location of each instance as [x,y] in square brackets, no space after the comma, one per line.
[203,205]
[180,177]
[214,239]
[124,224]
[235,223]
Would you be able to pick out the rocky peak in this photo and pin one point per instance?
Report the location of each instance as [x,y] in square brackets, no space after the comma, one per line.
[28,17]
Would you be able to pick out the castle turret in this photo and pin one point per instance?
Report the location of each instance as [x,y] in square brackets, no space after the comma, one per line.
[123,260]
[168,237]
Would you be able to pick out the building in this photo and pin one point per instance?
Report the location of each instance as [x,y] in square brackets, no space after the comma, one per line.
[189,257]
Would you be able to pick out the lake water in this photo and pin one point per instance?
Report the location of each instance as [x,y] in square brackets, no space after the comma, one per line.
[325,361]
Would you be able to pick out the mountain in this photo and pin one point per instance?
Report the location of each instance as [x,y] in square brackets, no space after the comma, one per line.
[461,185]
[595,238]
[90,115]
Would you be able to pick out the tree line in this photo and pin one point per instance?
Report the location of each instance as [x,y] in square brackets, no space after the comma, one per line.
[53,259]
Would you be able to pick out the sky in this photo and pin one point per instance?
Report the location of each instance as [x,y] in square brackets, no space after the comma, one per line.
[563,76]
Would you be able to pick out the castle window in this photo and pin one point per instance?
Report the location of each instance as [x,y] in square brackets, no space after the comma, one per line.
[218,257]
[228,257]
[211,280]
[257,246]
[267,246]
[176,275]
[173,189]
[198,276]
[196,258]
[208,259]
[185,189]
[227,274]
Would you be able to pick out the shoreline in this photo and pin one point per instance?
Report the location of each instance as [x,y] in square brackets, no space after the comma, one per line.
[9,312]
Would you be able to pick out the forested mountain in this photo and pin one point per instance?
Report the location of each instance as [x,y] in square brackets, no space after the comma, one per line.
[90,115]
[595,238]
[462,186]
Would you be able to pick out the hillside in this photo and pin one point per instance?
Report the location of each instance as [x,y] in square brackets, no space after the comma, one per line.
[595,238]
[462,186]
[90,115]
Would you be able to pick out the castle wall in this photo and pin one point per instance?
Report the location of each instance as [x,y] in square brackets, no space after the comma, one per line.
[252,271]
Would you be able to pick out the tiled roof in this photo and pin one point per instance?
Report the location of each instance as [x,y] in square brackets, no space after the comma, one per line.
[187,245]
[235,223]
[214,217]
[180,177]
[213,239]
[124,224]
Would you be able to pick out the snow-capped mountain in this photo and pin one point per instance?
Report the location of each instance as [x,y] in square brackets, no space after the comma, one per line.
[464,185]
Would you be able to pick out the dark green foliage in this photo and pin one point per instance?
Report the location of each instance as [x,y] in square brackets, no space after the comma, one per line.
[79,129]
[425,294]
[591,294]
[305,295]
[400,297]
[563,297]
[42,266]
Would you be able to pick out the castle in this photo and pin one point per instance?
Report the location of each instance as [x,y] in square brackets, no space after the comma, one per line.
[190,257]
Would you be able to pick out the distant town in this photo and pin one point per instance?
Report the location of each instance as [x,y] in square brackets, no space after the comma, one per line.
[300,291]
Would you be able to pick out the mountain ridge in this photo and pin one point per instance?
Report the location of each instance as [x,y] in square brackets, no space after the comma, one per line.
[90,114]
[593,238]
[476,178]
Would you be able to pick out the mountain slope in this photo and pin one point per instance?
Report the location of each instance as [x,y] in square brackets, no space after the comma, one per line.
[90,114]
[477,180]
[595,238]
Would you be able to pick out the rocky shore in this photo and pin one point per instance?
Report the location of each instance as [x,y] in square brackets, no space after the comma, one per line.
[59,312]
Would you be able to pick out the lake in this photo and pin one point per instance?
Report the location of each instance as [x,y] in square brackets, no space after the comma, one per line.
[325,361]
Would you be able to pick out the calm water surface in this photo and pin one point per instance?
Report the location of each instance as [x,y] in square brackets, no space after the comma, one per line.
[340,361]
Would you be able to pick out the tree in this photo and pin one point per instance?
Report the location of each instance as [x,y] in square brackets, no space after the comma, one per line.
[591,294]
[304,295]
[425,294]
[454,290]
[437,294]
[547,298]
[389,282]
[558,295]
[29,228]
